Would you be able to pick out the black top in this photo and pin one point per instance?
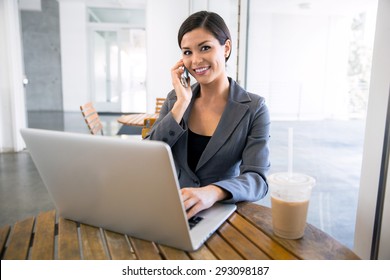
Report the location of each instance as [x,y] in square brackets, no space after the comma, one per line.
[196,145]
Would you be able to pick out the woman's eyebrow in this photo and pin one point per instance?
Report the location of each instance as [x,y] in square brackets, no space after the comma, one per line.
[200,44]
[204,42]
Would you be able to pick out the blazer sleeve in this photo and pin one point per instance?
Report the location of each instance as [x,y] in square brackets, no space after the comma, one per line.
[251,184]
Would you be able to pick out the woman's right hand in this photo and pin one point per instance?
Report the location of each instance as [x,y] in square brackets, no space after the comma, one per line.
[184,94]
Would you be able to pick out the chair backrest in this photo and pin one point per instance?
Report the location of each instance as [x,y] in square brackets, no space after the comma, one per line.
[148,123]
[91,118]
[159,103]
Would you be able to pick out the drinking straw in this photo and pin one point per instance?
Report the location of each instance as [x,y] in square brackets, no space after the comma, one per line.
[290,152]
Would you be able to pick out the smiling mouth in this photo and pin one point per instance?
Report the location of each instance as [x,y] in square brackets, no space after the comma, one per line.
[201,70]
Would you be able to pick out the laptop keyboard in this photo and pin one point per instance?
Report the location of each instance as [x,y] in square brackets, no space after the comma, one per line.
[194,221]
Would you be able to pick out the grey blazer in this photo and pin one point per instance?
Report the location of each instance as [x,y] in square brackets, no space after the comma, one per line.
[237,155]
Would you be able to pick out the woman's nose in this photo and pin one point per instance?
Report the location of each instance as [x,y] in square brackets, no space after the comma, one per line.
[197,58]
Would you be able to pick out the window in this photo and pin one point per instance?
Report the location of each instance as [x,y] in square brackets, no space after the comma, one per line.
[117,59]
[311,61]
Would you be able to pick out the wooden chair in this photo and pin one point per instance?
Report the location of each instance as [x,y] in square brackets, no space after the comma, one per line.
[148,123]
[159,103]
[91,118]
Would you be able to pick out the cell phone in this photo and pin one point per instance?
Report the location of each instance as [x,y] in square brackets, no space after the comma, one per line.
[184,78]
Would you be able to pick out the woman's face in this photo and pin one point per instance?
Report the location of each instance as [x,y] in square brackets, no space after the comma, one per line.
[203,55]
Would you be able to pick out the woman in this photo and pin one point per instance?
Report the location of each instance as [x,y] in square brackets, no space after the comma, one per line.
[217,131]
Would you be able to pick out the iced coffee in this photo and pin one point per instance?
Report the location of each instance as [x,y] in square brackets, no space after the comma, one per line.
[290,194]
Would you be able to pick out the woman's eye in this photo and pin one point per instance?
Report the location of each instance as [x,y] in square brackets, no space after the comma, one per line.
[205,48]
[186,52]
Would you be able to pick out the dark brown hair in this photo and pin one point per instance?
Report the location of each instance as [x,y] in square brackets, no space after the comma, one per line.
[210,21]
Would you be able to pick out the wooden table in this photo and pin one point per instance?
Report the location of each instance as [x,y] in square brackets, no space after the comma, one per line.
[136,119]
[246,235]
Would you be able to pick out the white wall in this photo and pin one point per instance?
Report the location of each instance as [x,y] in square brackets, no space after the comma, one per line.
[5,136]
[12,106]
[74,59]
[374,135]
[163,19]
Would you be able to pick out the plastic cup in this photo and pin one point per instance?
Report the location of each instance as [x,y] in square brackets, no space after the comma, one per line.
[290,195]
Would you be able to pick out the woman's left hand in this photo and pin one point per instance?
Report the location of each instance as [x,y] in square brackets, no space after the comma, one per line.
[198,199]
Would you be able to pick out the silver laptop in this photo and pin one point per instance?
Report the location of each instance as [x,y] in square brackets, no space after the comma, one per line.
[127,186]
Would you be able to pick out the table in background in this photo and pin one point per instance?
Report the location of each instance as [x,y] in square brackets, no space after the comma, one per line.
[136,119]
[247,234]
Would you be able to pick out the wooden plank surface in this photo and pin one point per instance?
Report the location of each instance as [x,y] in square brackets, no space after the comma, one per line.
[246,235]
[118,246]
[20,240]
[68,241]
[144,250]
[4,232]
[92,243]
[315,244]
[260,239]
[221,249]
[136,119]
[203,253]
[43,247]
[170,253]
[241,244]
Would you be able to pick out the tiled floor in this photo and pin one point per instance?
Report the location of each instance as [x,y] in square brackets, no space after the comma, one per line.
[330,151]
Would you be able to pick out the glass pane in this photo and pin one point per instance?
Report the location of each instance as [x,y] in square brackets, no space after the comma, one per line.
[311,61]
[106,59]
[133,69]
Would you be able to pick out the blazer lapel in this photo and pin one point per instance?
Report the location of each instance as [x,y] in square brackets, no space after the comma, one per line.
[234,111]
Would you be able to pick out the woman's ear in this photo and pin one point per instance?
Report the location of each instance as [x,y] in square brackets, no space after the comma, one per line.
[228,48]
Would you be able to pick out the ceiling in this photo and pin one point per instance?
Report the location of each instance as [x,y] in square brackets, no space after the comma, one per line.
[312,7]
[117,15]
